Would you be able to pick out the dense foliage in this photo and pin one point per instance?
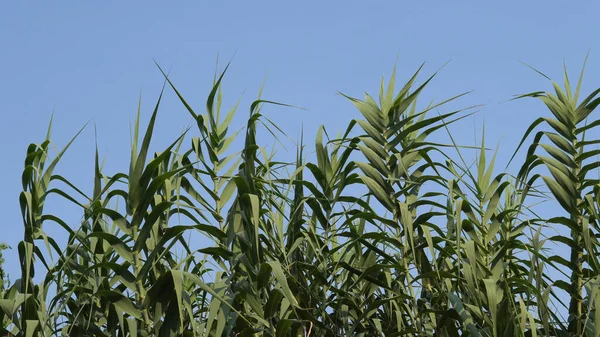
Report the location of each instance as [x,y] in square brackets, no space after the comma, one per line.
[384,233]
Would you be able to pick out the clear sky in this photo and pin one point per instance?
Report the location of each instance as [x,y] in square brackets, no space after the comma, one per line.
[88,61]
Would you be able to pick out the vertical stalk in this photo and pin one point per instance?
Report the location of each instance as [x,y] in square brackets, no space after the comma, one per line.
[218,205]
[576,304]
[141,292]
[26,248]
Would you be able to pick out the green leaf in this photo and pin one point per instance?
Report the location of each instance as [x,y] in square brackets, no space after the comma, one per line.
[282,281]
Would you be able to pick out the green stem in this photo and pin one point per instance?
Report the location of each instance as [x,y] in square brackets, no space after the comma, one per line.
[576,304]
[140,291]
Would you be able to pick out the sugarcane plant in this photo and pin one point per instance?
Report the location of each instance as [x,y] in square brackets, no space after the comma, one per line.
[572,161]
[378,231]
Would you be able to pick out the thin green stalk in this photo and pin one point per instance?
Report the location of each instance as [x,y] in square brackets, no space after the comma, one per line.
[141,291]
[576,303]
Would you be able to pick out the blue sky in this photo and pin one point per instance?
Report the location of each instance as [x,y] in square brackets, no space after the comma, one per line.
[88,61]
